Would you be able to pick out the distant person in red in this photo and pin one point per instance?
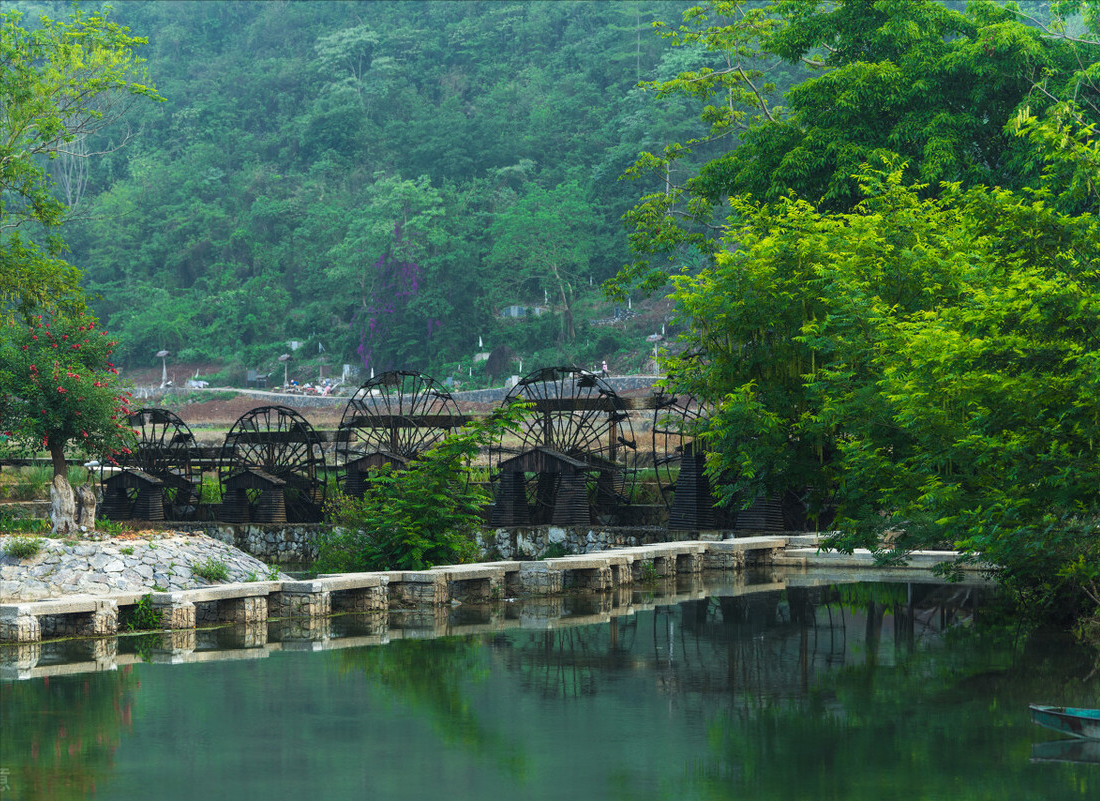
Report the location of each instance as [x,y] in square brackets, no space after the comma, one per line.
[604,371]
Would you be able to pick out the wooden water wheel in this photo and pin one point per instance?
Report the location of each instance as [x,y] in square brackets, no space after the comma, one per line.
[574,454]
[392,419]
[680,463]
[164,450]
[280,452]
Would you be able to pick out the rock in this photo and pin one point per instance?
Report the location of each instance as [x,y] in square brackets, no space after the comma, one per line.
[85,507]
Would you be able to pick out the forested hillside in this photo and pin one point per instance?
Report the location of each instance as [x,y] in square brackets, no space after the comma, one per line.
[375,179]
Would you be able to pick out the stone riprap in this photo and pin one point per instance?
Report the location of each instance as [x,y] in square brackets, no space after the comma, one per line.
[107,566]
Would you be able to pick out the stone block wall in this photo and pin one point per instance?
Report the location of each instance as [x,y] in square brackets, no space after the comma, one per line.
[276,544]
[297,543]
[537,542]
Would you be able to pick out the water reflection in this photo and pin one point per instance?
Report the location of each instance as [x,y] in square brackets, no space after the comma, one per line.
[58,738]
[770,686]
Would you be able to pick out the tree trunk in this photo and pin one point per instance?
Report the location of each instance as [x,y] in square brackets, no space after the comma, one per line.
[63,511]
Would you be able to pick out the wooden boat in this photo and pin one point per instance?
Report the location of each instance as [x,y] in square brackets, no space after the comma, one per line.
[1084,723]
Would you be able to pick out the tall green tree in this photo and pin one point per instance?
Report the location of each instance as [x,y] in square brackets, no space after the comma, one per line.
[935,86]
[542,242]
[60,84]
[922,365]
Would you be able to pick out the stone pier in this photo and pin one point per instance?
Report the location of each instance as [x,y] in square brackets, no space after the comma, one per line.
[612,574]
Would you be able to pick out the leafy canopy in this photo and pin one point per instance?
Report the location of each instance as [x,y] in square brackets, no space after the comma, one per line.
[938,89]
[923,365]
[60,83]
[58,386]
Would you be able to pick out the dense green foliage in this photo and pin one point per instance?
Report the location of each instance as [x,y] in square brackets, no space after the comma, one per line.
[429,514]
[899,323]
[60,84]
[932,84]
[358,177]
[927,365]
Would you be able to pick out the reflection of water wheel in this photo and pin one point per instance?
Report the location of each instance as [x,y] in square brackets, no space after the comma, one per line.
[578,416]
[275,442]
[164,451]
[392,418]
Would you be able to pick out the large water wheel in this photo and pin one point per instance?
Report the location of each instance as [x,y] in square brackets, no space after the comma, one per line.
[573,462]
[680,463]
[680,460]
[392,419]
[164,450]
[272,467]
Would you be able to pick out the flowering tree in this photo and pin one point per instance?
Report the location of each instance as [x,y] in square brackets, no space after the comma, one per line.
[59,388]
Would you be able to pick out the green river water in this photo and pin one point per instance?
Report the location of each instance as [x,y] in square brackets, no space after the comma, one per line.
[803,690]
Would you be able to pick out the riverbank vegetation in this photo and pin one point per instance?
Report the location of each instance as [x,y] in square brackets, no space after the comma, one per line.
[897,322]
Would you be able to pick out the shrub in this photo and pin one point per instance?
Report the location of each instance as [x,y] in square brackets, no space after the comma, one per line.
[111,527]
[31,483]
[427,515]
[23,525]
[211,490]
[22,547]
[144,617]
[210,569]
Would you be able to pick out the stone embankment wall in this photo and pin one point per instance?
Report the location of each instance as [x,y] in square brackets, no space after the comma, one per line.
[273,543]
[284,543]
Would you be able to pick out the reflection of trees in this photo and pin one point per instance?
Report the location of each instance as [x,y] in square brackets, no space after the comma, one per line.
[768,642]
[945,702]
[432,675]
[832,692]
[58,736]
